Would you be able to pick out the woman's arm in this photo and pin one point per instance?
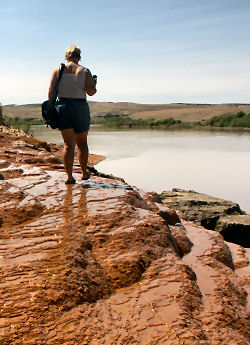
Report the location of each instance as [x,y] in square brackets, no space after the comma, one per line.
[53,81]
[90,83]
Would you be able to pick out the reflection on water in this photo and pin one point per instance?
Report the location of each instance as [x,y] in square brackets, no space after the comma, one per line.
[215,163]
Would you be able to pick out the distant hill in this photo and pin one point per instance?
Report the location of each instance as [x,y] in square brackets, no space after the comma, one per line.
[179,111]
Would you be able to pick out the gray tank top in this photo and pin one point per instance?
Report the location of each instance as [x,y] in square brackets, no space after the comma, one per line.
[72,85]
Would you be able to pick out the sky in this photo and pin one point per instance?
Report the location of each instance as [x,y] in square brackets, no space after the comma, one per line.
[143,51]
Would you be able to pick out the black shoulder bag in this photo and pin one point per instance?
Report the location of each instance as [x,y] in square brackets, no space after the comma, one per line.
[49,112]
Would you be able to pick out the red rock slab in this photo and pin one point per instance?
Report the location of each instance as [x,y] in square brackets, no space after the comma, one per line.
[99,265]
[96,263]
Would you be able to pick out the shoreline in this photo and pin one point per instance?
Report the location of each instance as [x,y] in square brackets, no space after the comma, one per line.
[173,128]
[56,149]
[110,166]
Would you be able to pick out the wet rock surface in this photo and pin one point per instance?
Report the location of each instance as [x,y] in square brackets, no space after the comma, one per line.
[213,213]
[101,262]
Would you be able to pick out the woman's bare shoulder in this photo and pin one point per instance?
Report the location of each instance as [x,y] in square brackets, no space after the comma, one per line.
[80,69]
[56,70]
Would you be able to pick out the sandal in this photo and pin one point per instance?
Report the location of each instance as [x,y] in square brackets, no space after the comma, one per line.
[87,177]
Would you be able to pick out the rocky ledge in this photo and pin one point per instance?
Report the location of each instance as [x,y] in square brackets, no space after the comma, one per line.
[102,262]
[220,215]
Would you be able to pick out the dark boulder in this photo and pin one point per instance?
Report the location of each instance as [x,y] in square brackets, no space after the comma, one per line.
[212,213]
[235,229]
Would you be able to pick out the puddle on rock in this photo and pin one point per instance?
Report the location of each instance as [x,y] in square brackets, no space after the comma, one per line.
[102,185]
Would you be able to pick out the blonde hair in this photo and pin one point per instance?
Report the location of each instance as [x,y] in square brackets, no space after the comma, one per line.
[72,52]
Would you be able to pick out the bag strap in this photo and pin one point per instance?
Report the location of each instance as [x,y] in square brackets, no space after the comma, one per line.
[55,92]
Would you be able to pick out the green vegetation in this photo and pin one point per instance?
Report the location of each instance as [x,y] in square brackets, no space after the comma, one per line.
[23,124]
[117,121]
[239,120]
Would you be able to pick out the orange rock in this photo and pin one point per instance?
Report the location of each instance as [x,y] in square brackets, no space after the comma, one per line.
[95,263]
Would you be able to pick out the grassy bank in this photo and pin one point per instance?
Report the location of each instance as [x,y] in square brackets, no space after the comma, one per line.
[238,121]
[23,124]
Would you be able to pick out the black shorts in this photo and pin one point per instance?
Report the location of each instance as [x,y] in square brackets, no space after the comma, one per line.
[74,113]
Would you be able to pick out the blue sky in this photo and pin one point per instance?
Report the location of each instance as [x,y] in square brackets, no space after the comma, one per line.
[160,51]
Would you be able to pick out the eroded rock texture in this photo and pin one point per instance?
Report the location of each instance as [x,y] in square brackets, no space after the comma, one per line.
[101,262]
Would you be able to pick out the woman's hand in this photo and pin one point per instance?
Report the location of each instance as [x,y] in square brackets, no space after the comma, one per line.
[90,84]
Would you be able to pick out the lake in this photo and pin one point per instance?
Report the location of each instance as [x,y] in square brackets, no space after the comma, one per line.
[214,163]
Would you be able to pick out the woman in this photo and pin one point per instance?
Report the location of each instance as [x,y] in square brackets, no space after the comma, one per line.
[73,109]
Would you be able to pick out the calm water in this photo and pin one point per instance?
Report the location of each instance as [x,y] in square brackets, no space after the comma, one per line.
[215,163]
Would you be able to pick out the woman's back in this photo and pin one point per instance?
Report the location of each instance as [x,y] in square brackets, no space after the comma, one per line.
[73,81]
[73,68]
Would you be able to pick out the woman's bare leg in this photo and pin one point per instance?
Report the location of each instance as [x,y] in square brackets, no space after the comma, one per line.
[68,151]
[81,141]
